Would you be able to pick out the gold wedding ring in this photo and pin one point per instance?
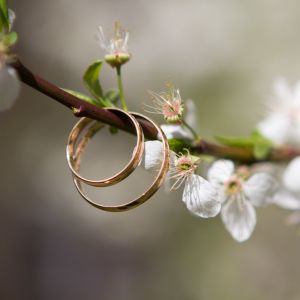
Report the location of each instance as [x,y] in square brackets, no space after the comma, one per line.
[126,171]
[156,184]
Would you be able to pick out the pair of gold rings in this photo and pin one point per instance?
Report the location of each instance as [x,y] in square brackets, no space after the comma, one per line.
[77,145]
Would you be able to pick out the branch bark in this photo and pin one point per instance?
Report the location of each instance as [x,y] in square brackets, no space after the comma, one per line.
[81,108]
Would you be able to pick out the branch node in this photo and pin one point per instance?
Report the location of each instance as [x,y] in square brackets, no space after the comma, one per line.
[77,111]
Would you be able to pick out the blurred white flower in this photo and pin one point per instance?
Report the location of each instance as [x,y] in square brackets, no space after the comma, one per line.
[116,47]
[282,125]
[239,194]
[199,195]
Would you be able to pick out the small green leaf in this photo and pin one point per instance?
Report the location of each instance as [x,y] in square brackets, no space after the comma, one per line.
[91,79]
[11,38]
[112,95]
[83,97]
[178,145]
[4,17]
[235,141]
[92,82]
[261,150]
[262,145]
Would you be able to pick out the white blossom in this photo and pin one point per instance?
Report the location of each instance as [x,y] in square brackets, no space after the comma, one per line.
[116,47]
[239,194]
[282,124]
[199,195]
[168,104]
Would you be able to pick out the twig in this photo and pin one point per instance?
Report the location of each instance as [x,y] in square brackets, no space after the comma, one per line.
[81,108]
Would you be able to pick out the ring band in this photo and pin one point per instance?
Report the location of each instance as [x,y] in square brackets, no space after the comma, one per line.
[156,184]
[126,171]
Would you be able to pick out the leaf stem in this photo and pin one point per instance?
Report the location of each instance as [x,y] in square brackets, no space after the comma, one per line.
[120,86]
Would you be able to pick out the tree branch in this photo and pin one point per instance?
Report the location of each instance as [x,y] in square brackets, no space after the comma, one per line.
[81,108]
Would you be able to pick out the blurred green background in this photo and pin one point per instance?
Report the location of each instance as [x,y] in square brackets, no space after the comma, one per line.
[222,54]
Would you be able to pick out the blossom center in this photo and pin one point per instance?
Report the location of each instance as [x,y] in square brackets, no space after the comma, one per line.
[233,186]
[172,109]
[185,165]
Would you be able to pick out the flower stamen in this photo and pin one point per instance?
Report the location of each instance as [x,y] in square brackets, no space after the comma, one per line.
[167,104]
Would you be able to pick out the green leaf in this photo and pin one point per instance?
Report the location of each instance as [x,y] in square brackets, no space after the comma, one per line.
[83,97]
[260,145]
[112,95]
[91,79]
[235,141]
[178,145]
[261,151]
[11,38]
[4,18]
[92,82]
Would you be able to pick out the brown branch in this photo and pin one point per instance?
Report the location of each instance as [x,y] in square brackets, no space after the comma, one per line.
[81,108]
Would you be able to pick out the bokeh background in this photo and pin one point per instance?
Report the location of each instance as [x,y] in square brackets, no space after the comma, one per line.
[224,55]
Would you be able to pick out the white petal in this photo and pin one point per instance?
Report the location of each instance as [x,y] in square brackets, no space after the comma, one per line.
[287,200]
[153,155]
[191,113]
[239,218]
[275,127]
[200,197]
[258,188]
[291,175]
[176,132]
[9,87]
[220,171]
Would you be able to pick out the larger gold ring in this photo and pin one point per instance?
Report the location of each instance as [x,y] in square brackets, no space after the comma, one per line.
[156,184]
[126,171]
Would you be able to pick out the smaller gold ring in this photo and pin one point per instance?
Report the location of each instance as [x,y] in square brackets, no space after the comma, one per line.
[126,171]
[156,184]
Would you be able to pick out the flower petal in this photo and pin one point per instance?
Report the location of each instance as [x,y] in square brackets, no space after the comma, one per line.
[220,172]
[275,127]
[291,178]
[239,218]
[176,132]
[9,87]
[287,200]
[153,155]
[200,197]
[258,188]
